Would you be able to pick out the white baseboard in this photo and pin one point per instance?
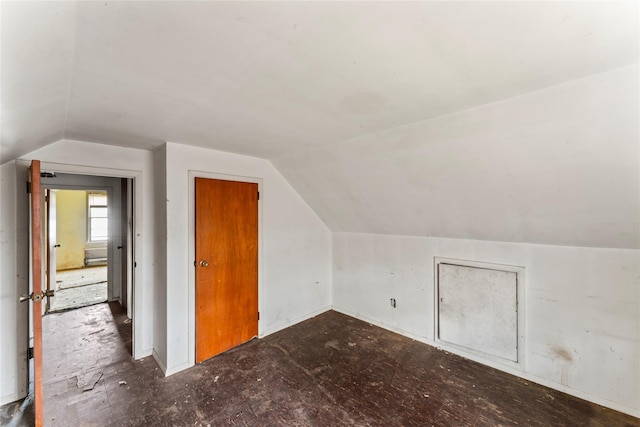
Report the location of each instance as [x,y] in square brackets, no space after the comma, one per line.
[10,398]
[176,369]
[156,357]
[292,322]
[144,353]
[169,371]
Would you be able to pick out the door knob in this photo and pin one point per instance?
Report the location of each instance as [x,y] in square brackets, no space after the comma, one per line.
[204,263]
[37,297]
[33,297]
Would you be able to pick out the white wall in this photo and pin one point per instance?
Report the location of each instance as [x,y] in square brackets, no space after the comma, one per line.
[582,305]
[294,252]
[14,260]
[160,302]
[72,157]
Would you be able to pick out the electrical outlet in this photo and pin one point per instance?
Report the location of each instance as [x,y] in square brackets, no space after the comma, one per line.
[393,302]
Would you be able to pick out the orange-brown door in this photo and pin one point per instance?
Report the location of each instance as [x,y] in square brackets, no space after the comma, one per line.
[226,251]
[36,296]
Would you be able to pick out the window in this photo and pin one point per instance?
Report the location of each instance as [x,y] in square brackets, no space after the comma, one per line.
[98,220]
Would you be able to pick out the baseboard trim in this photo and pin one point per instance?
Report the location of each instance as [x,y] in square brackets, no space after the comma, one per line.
[10,398]
[307,316]
[156,357]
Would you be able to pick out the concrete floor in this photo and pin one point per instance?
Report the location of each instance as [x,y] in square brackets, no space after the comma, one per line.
[331,370]
[79,288]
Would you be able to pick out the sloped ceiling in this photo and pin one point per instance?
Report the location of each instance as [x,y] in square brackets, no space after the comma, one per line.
[321,87]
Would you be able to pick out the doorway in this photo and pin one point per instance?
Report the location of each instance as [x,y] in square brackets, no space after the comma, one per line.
[129,183]
[88,228]
[226,275]
[77,231]
[88,252]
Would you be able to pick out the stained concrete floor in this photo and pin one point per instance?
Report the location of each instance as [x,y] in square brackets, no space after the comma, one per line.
[66,279]
[331,370]
[79,288]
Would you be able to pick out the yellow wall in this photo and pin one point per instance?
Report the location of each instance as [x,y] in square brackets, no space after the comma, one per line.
[71,228]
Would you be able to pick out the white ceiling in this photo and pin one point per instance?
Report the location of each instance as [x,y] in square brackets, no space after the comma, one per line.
[557,166]
[288,80]
[270,77]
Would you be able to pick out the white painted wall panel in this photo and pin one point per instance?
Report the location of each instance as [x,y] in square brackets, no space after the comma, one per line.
[582,305]
[477,309]
[14,317]
[160,302]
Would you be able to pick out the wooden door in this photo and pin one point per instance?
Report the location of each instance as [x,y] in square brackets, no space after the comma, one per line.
[226,248]
[36,275]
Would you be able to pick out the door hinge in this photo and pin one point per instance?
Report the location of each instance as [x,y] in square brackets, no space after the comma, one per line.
[258,315]
[30,353]
[258,195]
[28,187]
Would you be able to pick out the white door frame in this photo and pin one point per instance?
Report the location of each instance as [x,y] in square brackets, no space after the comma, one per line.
[138,298]
[114,264]
[192,251]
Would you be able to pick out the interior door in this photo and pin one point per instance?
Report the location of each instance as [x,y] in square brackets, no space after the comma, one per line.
[226,248]
[36,296]
[52,242]
[123,248]
[115,242]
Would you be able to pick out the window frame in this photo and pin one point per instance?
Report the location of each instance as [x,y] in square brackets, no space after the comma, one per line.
[90,239]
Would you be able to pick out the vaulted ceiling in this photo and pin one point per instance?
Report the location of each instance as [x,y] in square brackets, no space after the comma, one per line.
[305,83]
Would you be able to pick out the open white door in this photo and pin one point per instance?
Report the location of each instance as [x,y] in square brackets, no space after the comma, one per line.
[52,242]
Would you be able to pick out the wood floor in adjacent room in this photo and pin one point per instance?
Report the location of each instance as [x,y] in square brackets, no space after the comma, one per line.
[331,370]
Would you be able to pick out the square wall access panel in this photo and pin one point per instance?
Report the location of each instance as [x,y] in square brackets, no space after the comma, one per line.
[477,308]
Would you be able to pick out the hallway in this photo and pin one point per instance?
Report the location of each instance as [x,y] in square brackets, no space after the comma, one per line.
[83,350]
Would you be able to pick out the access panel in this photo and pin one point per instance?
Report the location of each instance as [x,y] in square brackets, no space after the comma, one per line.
[477,309]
